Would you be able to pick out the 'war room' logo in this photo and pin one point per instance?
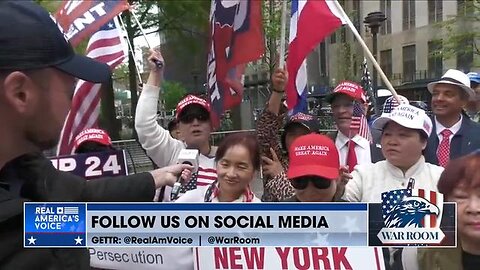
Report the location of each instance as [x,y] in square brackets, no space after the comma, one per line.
[411,217]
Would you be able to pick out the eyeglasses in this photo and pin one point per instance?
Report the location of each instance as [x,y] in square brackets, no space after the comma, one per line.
[189,118]
[318,182]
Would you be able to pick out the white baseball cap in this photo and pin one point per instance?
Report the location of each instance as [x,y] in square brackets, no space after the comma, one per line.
[407,116]
[455,77]
[391,103]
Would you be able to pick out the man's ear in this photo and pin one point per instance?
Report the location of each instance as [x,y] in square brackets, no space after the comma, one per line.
[17,87]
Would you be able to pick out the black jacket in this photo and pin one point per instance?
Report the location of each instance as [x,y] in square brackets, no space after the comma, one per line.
[465,141]
[40,181]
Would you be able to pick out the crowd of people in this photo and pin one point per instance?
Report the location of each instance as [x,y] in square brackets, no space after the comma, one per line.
[409,149]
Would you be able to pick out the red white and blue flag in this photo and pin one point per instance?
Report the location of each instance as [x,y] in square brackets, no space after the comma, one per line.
[80,19]
[236,38]
[106,46]
[359,122]
[311,22]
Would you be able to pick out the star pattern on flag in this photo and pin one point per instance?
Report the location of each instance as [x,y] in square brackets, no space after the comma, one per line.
[391,198]
[191,185]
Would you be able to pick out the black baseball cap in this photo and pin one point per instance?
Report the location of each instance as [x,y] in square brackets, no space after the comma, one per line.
[31,39]
[307,120]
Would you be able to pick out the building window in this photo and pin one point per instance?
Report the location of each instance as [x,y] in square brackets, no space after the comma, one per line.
[356,16]
[386,8]
[465,7]
[408,14]
[435,59]
[465,56]
[386,62]
[333,38]
[435,11]
[409,63]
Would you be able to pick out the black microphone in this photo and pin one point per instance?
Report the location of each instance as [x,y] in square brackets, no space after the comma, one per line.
[186,156]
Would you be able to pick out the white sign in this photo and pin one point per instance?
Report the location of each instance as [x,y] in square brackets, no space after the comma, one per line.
[362,258]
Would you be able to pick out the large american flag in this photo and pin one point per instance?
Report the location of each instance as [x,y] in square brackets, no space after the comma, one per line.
[366,83]
[106,46]
[359,122]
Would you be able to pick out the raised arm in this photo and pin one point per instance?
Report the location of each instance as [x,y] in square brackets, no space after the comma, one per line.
[160,146]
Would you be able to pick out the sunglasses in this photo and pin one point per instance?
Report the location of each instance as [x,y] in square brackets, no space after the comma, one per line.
[189,118]
[318,182]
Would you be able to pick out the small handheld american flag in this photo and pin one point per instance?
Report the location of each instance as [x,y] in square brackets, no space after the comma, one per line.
[359,122]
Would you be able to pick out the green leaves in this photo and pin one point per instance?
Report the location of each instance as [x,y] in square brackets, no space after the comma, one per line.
[173,92]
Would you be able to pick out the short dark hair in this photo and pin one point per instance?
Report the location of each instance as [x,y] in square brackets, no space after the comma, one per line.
[172,125]
[422,134]
[462,170]
[93,147]
[247,140]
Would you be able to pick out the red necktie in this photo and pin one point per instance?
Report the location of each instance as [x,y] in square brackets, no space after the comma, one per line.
[351,156]
[443,151]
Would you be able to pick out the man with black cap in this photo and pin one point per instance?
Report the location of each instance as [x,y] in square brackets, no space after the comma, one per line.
[38,68]
[454,134]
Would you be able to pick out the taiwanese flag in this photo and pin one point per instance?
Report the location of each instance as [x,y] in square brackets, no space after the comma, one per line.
[236,38]
[311,22]
[80,19]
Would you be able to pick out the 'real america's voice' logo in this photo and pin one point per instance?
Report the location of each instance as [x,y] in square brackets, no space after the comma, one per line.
[411,217]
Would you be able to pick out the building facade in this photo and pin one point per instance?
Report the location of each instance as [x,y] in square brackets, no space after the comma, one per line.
[410,43]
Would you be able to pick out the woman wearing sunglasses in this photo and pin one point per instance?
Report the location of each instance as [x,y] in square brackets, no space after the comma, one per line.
[193,115]
[314,168]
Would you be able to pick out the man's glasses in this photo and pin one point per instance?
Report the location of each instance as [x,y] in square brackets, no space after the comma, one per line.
[189,118]
[318,182]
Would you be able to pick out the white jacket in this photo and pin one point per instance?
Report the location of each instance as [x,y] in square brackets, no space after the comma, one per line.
[160,146]
[370,180]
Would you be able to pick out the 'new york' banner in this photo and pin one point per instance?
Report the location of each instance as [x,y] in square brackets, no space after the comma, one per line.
[80,19]
[236,38]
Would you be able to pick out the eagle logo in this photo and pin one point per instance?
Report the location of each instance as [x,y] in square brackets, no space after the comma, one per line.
[407,208]
[410,212]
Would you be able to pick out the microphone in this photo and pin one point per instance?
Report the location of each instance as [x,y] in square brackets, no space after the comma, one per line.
[186,156]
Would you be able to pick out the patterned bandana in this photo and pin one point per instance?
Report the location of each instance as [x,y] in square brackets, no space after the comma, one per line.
[213,192]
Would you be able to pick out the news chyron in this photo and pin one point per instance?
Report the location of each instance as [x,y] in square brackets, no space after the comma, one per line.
[226,224]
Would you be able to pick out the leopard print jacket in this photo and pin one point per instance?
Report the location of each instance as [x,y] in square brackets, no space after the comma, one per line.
[277,188]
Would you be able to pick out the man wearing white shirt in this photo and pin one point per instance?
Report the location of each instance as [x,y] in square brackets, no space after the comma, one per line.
[454,135]
[353,149]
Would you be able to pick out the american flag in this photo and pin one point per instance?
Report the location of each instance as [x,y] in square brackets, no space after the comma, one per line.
[359,122]
[391,198]
[366,83]
[106,46]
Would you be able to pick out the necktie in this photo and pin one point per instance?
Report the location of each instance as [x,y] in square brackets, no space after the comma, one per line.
[351,156]
[443,151]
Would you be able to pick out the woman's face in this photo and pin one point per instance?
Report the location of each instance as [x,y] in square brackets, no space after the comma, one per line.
[235,170]
[401,146]
[468,207]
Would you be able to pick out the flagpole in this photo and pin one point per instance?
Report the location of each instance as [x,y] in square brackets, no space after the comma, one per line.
[131,49]
[282,34]
[367,51]
[157,62]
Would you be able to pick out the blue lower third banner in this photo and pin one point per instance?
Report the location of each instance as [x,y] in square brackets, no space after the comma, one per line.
[54,225]
[202,224]
[217,224]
